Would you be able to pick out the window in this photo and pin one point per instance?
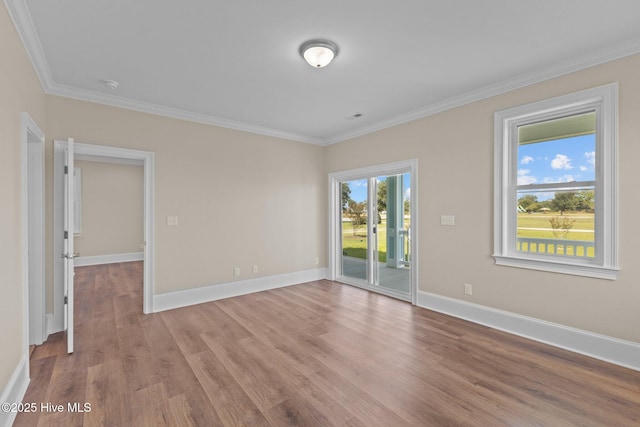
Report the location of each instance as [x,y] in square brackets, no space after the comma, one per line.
[555,184]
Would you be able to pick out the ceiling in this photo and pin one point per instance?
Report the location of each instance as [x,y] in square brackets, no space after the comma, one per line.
[236,63]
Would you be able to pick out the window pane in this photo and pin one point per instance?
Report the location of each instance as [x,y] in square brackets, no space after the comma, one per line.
[556,220]
[556,223]
[354,228]
[392,235]
[558,161]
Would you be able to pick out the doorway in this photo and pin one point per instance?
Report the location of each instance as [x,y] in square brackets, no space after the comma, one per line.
[373,224]
[102,154]
[33,231]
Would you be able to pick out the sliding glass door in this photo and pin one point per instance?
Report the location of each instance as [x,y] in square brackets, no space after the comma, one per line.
[375,233]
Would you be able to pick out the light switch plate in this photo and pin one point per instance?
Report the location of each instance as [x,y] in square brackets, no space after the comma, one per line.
[447,220]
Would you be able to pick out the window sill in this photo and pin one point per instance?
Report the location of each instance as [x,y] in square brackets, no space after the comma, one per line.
[558,267]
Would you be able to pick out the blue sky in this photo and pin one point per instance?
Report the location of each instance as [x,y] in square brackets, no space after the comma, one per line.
[359,188]
[562,160]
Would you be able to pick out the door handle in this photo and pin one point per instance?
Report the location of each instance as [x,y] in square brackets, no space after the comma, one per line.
[72,256]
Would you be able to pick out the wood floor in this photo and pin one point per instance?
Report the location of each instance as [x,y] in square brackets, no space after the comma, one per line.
[317,354]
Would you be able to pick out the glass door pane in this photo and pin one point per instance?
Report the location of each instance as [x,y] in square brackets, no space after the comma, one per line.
[355,248]
[392,269]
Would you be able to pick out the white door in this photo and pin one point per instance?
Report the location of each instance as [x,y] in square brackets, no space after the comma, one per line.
[68,254]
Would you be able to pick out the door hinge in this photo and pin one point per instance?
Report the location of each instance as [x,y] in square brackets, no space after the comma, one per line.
[66,234]
[66,299]
[66,170]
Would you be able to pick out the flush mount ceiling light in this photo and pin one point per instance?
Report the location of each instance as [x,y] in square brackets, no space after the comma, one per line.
[318,53]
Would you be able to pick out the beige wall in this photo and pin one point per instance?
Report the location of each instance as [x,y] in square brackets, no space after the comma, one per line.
[245,199]
[112,209]
[455,152]
[241,199]
[20,91]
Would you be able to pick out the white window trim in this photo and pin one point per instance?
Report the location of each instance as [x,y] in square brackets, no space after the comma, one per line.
[604,99]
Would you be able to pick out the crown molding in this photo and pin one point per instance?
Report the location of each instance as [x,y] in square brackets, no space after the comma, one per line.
[21,18]
[611,53]
[19,14]
[175,113]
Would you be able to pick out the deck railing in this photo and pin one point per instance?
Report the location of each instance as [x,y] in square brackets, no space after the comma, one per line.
[562,247]
[405,243]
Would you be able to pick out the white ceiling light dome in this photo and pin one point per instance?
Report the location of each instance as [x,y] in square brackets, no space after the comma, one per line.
[318,52]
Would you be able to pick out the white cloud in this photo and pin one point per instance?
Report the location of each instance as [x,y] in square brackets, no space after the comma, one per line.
[561,162]
[407,193]
[526,160]
[584,168]
[591,157]
[524,178]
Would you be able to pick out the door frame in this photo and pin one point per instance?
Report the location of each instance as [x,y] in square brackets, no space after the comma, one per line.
[69,242]
[335,178]
[33,232]
[100,153]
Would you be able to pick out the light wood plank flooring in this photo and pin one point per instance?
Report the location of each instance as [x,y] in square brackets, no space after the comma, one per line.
[316,354]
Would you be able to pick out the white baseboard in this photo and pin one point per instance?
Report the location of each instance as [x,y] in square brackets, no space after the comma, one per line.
[171,300]
[608,349]
[50,324]
[83,261]
[15,390]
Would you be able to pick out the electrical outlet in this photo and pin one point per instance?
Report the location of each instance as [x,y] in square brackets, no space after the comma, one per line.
[468,289]
[317,260]
[236,271]
[254,269]
[172,220]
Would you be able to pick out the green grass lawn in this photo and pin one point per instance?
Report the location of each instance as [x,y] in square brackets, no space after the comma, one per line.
[356,246]
[583,221]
